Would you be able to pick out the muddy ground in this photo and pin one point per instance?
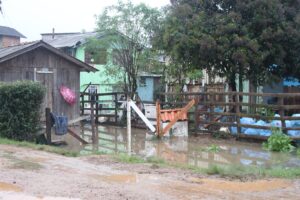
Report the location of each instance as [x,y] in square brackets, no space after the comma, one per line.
[29,174]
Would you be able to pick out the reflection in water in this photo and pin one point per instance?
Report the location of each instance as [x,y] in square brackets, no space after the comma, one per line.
[191,150]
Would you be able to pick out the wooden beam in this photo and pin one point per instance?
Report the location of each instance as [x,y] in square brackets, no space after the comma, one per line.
[158,118]
[73,121]
[48,125]
[75,135]
[178,116]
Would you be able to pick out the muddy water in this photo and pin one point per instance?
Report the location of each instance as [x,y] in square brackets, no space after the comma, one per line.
[196,151]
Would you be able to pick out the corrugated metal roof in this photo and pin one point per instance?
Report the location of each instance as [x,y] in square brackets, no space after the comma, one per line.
[13,51]
[70,40]
[9,50]
[4,30]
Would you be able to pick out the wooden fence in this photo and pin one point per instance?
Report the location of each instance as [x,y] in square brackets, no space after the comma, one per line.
[105,105]
[214,110]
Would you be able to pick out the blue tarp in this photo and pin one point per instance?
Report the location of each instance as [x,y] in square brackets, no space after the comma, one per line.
[265,132]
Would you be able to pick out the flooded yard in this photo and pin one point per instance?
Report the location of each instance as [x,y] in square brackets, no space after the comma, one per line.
[198,151]
[32,175]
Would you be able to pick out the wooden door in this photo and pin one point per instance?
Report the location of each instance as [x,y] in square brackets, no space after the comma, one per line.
[46,79]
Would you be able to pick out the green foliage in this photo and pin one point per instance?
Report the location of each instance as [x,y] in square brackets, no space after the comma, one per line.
[127,30]
[266,112]
[20,108]
[34,146]
[278,142]
[213,148]
[252,39]
[214,169]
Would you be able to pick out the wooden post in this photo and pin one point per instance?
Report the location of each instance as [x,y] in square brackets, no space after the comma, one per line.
[196,115]
[93,123]
[237,111]
[211,107]
[48,125]
[82,104]
[116,107]
[97,108]
[281,113]
[128,126]
[158,120]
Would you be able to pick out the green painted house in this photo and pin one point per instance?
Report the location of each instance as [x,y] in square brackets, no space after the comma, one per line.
[74,44]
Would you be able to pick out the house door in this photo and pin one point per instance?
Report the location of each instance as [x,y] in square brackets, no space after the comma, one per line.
[46,77]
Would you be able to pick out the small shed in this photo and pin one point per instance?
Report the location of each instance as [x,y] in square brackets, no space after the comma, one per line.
[148,84]
[41,62]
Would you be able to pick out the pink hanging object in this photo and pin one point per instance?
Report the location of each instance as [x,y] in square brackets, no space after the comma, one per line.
[68,94]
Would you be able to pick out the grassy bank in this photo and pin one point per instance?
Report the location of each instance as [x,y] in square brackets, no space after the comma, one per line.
[230,171]
[34,146]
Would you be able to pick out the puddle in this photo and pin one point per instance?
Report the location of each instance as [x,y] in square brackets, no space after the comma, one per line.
[9,187]
[117,178]
[238,186]
[196,151]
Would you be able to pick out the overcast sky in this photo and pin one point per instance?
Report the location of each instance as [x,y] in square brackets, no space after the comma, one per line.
[33,17]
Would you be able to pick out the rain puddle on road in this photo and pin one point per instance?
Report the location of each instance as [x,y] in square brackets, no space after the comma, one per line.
[196,151]
[117,178]
[9,187]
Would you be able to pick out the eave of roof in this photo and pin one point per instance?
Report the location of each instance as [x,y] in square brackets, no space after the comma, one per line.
[14,51]
[8,31]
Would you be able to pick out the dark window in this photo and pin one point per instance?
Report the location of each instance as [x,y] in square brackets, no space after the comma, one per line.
[142,81]
[68,51]
[96,57]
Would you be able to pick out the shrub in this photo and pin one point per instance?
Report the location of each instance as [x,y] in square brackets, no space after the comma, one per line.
[20,109]
[278,142]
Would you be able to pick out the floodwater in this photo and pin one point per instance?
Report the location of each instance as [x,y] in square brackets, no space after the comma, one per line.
[198,151]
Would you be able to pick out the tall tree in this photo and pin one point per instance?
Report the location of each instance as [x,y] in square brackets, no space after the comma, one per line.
[244,39]
[128,30]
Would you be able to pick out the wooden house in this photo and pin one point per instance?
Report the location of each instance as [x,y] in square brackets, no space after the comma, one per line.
[9,36]
[40,62]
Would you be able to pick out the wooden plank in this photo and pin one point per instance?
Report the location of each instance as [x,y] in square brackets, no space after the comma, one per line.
[237,109]
[48,125]
[93,123]
[281,113]
[116,107]
[73,121]
[178,116]
[234,93]
[158,120]
[75,135]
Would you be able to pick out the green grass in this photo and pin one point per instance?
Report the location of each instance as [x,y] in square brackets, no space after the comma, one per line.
[34,146]
[231,171]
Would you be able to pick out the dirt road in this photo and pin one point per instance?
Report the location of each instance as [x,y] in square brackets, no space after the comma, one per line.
[29,174]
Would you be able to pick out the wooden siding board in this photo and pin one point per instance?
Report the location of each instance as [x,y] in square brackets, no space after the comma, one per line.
[64,73]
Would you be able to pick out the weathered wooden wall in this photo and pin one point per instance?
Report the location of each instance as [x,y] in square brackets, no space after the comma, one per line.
[64,73]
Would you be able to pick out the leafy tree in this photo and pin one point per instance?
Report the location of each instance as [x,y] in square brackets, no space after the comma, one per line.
[244,39]
[128,30]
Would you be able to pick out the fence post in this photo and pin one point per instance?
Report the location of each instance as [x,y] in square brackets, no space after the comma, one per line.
[97,107]
[211,107]
[128,125]
[196,115]
[158,120]
[93,123]
[238,112]
[281,113]
[82,104]
[116,107]
[48,125]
